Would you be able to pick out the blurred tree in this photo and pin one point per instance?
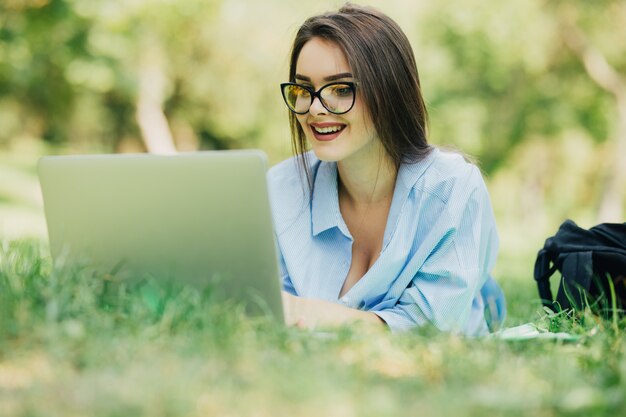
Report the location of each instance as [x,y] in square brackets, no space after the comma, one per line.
[608,78]
[513,83]
[111,71]
[502,75]
[498,75]
[38,40]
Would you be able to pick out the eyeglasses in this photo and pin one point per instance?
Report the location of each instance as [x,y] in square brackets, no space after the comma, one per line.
[337,98]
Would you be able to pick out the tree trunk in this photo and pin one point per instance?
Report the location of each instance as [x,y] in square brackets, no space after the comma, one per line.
[152,121]
[612,203]
[606,77]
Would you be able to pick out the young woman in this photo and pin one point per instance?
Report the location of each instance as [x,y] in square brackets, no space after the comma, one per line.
[373,223]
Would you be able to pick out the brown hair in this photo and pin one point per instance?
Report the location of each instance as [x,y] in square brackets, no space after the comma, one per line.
[382,60]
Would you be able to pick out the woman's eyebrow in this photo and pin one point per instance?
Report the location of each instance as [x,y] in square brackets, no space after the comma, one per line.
[329,78]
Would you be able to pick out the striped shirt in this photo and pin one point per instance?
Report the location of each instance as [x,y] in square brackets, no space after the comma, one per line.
[439,246]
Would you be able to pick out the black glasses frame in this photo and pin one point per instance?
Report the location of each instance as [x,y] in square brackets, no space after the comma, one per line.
[317,94]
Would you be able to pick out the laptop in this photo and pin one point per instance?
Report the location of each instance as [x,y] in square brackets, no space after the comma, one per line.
[199,218]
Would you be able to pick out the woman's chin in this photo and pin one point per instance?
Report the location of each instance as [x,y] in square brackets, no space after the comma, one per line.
[326,155]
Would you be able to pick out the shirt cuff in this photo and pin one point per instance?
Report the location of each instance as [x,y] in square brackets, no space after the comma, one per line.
[396,321]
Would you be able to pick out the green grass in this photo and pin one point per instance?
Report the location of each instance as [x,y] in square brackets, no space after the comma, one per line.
[21,212]
[74,343]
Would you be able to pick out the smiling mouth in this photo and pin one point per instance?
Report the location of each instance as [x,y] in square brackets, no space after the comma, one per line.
[327,130]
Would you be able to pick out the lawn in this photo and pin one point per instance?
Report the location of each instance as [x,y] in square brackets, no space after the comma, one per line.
[74,343]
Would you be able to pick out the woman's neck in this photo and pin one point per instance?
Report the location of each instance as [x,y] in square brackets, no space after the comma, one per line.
[368,180]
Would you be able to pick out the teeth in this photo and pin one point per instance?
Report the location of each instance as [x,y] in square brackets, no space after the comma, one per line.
[330,129]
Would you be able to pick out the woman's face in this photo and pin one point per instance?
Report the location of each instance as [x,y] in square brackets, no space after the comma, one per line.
[333,137]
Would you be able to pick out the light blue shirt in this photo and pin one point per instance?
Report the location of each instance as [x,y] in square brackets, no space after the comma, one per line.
[439,246]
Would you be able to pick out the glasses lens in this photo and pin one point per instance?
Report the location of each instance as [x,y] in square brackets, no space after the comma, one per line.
[297,98]
[338,98]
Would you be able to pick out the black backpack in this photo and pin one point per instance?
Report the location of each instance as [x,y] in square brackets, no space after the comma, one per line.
[587,260]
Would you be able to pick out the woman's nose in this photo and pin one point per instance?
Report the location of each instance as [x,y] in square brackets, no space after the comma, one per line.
[317,107]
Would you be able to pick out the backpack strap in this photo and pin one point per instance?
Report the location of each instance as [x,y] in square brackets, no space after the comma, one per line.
[543,272]
[577,272]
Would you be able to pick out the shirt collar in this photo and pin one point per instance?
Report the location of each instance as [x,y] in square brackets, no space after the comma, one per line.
[408,175]
[325,212]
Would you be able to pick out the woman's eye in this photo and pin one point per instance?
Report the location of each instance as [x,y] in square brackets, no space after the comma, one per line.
[342,91]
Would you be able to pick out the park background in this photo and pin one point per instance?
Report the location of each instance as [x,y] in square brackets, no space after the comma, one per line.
[534,90]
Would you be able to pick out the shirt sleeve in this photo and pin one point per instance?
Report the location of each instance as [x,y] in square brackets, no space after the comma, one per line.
[444,287]
[285,280]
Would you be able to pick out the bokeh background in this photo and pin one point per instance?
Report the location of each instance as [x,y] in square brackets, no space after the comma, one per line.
[534,90]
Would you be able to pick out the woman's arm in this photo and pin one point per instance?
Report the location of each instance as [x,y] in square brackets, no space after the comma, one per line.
[461,250]
[309,313]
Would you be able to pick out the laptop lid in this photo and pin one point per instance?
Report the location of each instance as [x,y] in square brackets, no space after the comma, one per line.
[200,218]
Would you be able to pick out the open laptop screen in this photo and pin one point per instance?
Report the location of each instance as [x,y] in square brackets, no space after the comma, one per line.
[200,218]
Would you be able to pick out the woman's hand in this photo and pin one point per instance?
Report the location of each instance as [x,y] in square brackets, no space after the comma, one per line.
[308,313]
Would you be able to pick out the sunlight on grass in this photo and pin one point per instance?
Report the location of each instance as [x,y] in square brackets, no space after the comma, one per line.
[72,344]
[18,222]
[22,373]
[21,206]
[77,343]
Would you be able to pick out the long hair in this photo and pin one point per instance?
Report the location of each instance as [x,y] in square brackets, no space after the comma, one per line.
[382,60]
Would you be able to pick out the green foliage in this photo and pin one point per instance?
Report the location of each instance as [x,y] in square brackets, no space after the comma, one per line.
[505,75]
[499,81]
[500,85]
[495,74]
[70,71]
[77,343]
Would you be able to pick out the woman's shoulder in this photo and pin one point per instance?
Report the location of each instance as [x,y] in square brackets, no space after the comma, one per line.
[288,190]
[450,164]
[449,173]
[290,172]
